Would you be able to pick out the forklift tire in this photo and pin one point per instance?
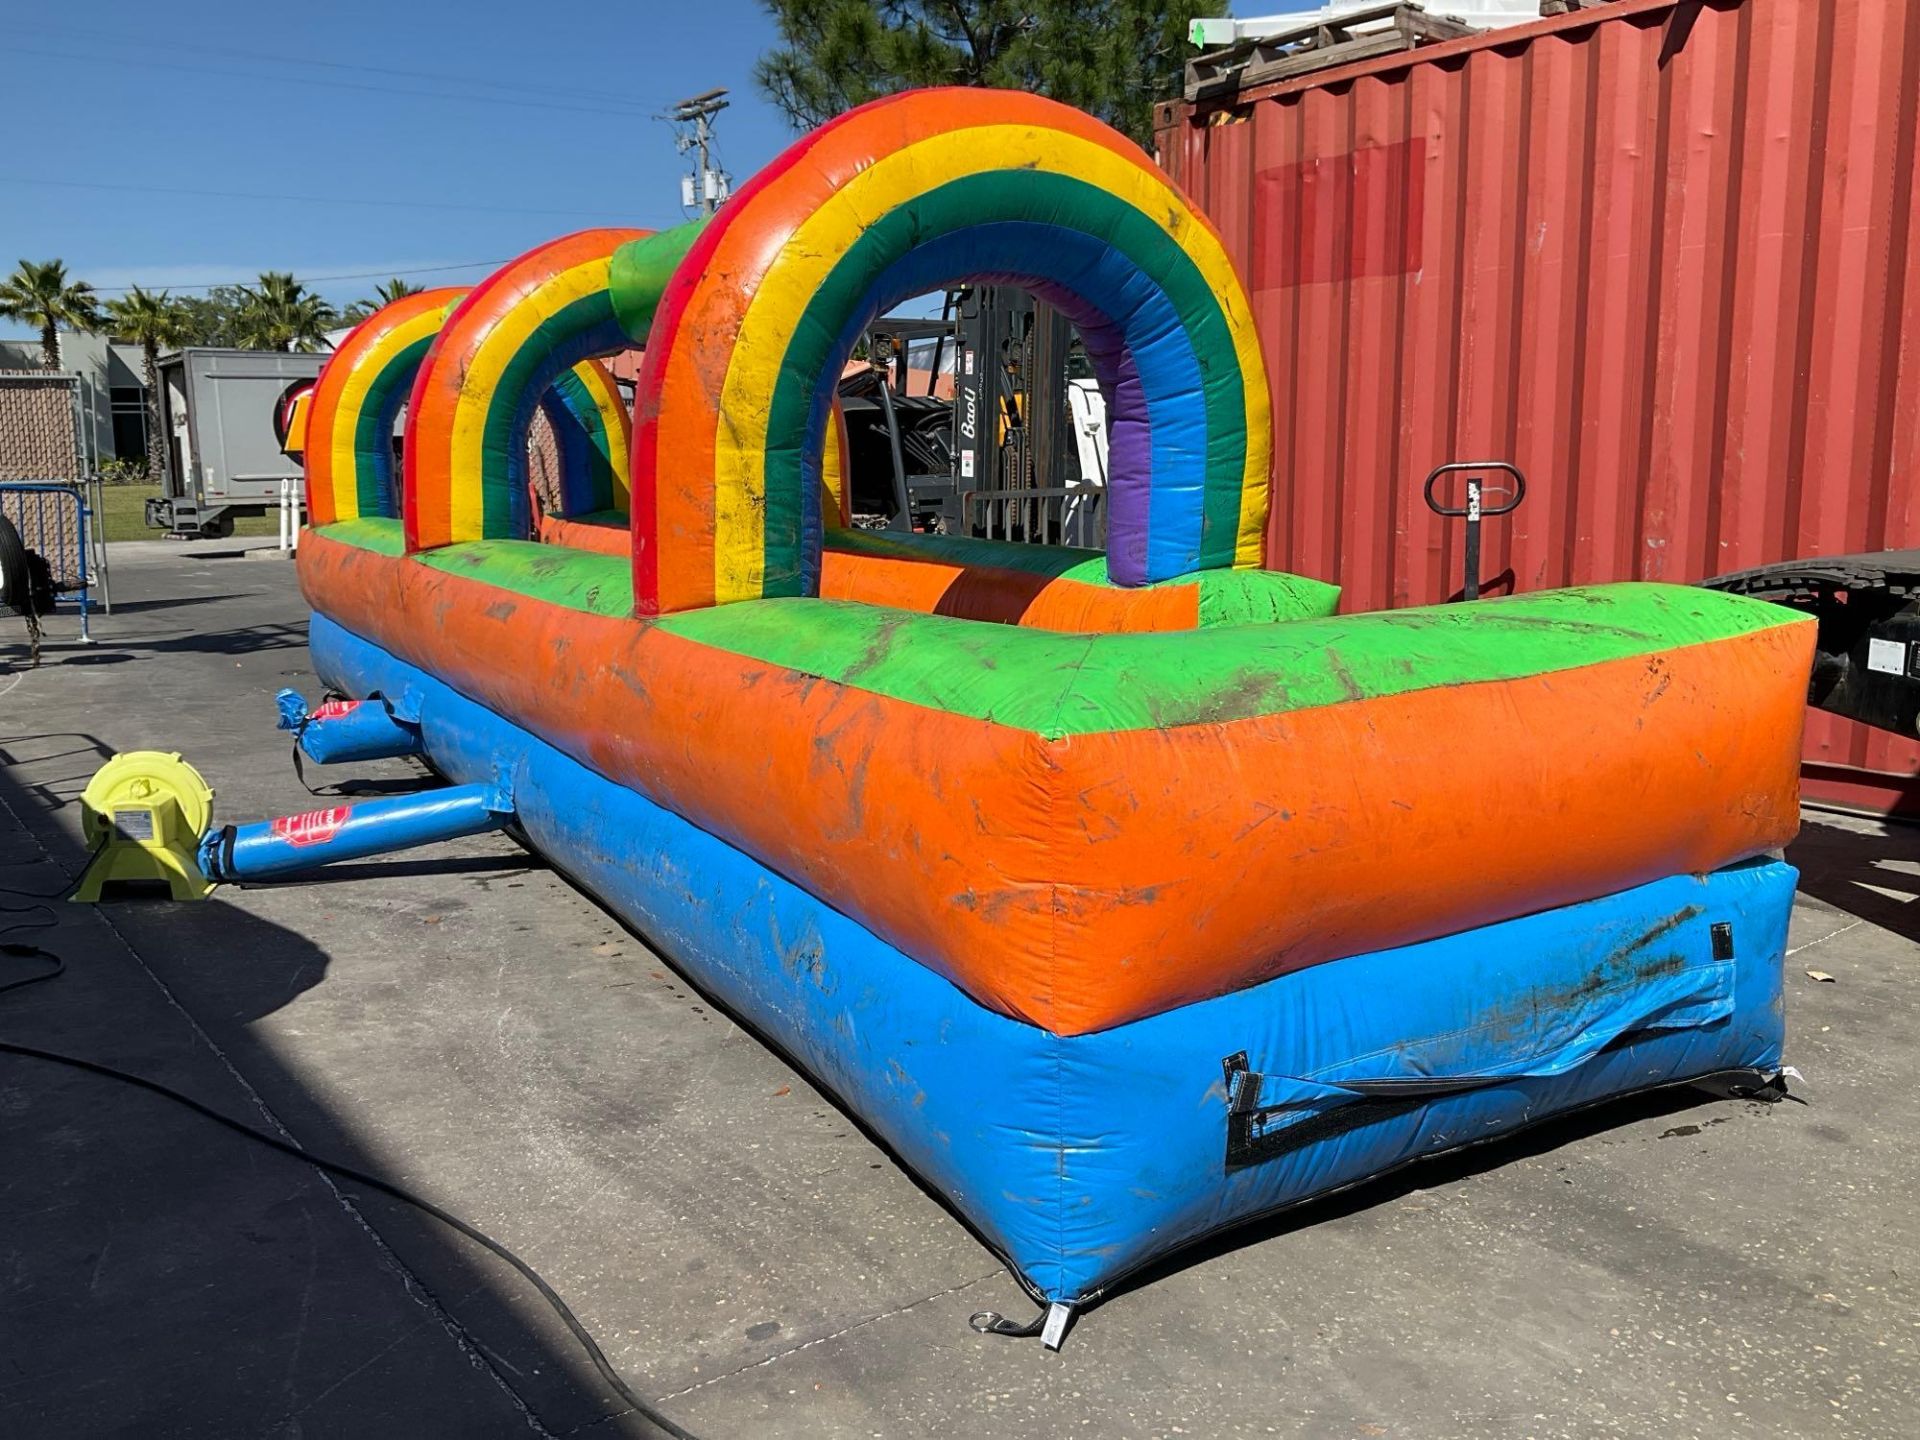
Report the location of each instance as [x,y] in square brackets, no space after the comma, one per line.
[26,579]
[16,579]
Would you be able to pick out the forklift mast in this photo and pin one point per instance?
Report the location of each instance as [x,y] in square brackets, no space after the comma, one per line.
[1009,396]
[1001,454]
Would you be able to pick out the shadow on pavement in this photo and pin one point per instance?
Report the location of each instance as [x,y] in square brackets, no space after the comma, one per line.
[168,603]
[160,1275]
[1871,873]
[1431,1174]
[243,640]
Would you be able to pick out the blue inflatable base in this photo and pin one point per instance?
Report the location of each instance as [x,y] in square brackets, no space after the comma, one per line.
[1082,1158]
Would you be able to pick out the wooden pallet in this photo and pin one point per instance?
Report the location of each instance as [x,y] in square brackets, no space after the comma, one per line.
[1381,30]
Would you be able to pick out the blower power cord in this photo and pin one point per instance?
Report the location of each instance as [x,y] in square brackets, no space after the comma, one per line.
[57,966]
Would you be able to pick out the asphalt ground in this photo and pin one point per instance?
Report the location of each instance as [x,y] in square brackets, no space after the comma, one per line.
[463,1022]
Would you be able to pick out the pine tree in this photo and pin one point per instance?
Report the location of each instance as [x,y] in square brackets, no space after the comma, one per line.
[1111,58]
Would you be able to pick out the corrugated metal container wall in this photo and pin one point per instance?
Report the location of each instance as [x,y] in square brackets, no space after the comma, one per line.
[1659,255]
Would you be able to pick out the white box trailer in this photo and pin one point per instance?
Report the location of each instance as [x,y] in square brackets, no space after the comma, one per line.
[221,413]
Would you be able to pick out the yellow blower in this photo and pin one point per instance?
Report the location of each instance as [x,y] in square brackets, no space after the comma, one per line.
[143,814]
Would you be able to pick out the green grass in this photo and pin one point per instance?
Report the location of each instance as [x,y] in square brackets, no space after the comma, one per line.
[123,515]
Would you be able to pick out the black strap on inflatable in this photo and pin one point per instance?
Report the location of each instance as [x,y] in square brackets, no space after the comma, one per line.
[299,768]
[1768,1087]
[1051,1324]
[223,854]
[300,730]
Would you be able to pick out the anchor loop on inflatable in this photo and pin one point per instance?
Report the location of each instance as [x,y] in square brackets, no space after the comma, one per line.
[1050,1325]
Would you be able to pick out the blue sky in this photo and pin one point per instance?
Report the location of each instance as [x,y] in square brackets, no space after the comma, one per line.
[538,117]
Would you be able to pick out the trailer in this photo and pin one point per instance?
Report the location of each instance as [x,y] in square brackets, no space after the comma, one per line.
[222,414]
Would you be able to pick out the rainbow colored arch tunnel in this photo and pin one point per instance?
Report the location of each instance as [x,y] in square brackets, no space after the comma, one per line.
[593,434]
[509,341]
[471,368]
[358,400]
[746,339]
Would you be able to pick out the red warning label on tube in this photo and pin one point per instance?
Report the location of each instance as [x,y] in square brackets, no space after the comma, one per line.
[316,827]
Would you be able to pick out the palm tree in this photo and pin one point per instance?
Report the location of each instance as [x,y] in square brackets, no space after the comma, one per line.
[384,294]
[42,295]
[150,321]
[395,289]
[282,314]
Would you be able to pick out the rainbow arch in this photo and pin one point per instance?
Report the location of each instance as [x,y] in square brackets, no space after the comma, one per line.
[349,455]
[892,200]
[583,295]
[594,433]
[358,397]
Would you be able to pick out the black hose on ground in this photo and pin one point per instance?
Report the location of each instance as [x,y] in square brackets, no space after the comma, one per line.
[332,1167]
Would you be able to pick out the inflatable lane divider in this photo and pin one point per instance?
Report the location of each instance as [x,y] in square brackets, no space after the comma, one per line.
[290,844]
[348,730]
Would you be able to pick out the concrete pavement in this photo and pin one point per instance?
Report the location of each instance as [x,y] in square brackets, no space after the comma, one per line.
[463,1021]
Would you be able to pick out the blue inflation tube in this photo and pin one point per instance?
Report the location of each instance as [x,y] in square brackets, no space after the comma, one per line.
[347,730]
[272,849]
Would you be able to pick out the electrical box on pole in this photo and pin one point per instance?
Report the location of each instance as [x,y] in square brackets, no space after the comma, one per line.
[692,120]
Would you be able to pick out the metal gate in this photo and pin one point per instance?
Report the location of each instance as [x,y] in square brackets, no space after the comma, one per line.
[48,489]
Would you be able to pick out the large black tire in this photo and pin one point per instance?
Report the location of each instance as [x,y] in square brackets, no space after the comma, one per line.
[16,575]
[17,585]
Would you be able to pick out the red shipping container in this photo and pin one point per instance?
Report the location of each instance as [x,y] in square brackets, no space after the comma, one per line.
[1657,254]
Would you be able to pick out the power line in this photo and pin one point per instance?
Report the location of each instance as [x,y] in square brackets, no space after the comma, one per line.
[439,76]
[304,199]
[256,76]
[314,279]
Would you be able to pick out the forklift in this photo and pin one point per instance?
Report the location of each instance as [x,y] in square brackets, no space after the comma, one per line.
[1866,663]
[1016,450]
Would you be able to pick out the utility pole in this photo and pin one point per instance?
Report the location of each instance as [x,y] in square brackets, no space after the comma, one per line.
[707,186]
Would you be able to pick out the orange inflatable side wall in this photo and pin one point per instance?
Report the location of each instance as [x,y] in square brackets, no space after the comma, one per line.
[1207,875]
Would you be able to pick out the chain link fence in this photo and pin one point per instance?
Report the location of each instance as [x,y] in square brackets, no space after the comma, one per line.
[47,489]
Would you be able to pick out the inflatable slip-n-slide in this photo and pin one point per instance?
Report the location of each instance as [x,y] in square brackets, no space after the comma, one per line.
[1128,895]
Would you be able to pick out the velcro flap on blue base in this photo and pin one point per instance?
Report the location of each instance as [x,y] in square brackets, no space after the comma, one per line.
[1541,1026]
[1515,1024]
[1329,1075]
